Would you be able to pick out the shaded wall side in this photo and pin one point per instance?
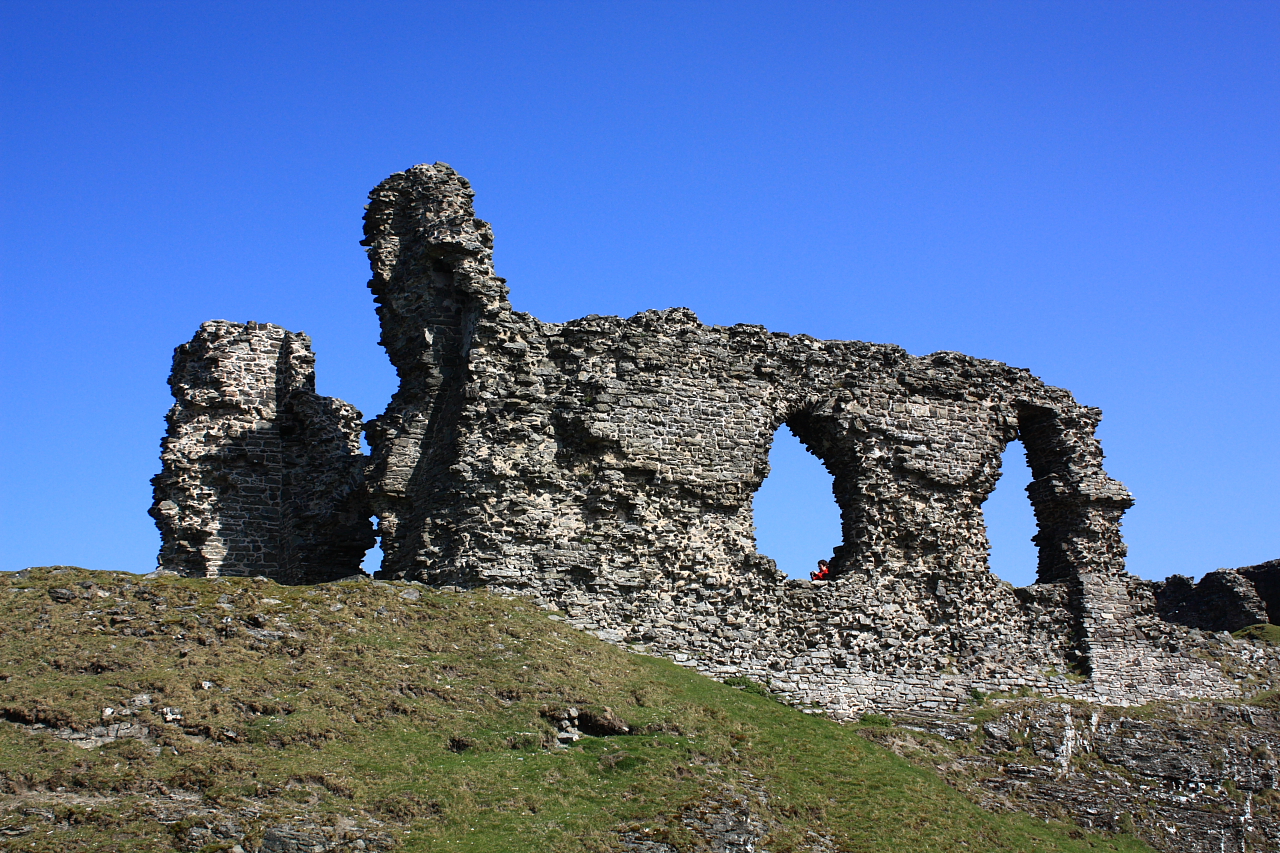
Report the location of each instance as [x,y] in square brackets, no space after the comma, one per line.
[1265,578]
[217,499]
[433,284]
[325,528]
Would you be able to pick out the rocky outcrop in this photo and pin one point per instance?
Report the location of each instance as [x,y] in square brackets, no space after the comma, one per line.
[262,476]
[1186,777]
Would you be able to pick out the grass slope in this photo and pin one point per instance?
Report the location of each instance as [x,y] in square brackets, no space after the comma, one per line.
[425,717]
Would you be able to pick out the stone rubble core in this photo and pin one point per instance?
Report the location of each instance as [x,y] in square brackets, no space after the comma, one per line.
[606,467]
[262,476]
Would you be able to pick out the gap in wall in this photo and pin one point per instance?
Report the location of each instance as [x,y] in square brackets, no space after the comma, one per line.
[797,520]
[1010,520]
[373,557]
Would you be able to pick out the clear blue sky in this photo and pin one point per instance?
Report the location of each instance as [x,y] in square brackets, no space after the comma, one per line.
[1088,190]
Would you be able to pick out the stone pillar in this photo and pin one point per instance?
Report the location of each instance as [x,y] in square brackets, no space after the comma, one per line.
[433,282]
[1077,506]
[1078,510]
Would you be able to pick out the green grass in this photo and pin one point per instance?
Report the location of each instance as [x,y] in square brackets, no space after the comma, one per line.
[431,716]
[1265,633]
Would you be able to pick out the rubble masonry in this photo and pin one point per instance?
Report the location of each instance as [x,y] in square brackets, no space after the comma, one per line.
[606,467]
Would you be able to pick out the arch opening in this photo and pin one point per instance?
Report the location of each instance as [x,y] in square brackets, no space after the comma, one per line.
[797,520]
[1011,522]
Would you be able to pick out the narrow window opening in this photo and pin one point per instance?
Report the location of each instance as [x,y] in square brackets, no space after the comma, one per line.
[797,520]
[373,557]
[1010,520]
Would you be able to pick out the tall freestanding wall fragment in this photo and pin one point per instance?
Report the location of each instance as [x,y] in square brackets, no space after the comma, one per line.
[434,286]
[262,476]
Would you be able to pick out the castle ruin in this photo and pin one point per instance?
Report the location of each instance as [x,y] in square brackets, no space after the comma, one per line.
[606,467]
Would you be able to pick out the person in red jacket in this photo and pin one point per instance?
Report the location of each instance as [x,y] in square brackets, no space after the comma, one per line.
[823,573]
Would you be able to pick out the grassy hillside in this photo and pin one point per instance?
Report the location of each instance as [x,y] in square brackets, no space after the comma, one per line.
[377,716]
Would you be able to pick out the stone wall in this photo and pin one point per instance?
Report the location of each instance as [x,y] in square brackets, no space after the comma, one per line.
[1223,600]
[261,475]
[606,467]
[1265,578]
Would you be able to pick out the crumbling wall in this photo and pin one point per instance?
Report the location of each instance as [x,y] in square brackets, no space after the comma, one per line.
[261,475]
[1223,600]
[1265,578]
[606,466]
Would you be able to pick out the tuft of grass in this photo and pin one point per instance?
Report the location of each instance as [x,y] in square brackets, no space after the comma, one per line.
[748,685]
[1267,699]
[430,717]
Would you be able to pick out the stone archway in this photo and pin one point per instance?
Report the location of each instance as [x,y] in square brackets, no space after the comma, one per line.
[823,436]
[1010,520]
[795,516]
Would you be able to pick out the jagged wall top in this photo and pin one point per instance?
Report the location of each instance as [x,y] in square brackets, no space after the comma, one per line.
[423,214]
[607,466]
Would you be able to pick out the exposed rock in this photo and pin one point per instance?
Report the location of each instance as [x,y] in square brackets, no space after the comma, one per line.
[1188,778]
[728,821]
[94,737]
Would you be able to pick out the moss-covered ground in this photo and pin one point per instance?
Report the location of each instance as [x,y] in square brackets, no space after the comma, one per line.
[425,715]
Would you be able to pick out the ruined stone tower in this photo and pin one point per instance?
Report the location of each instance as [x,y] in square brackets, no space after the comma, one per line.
[261,476]
[606,467]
